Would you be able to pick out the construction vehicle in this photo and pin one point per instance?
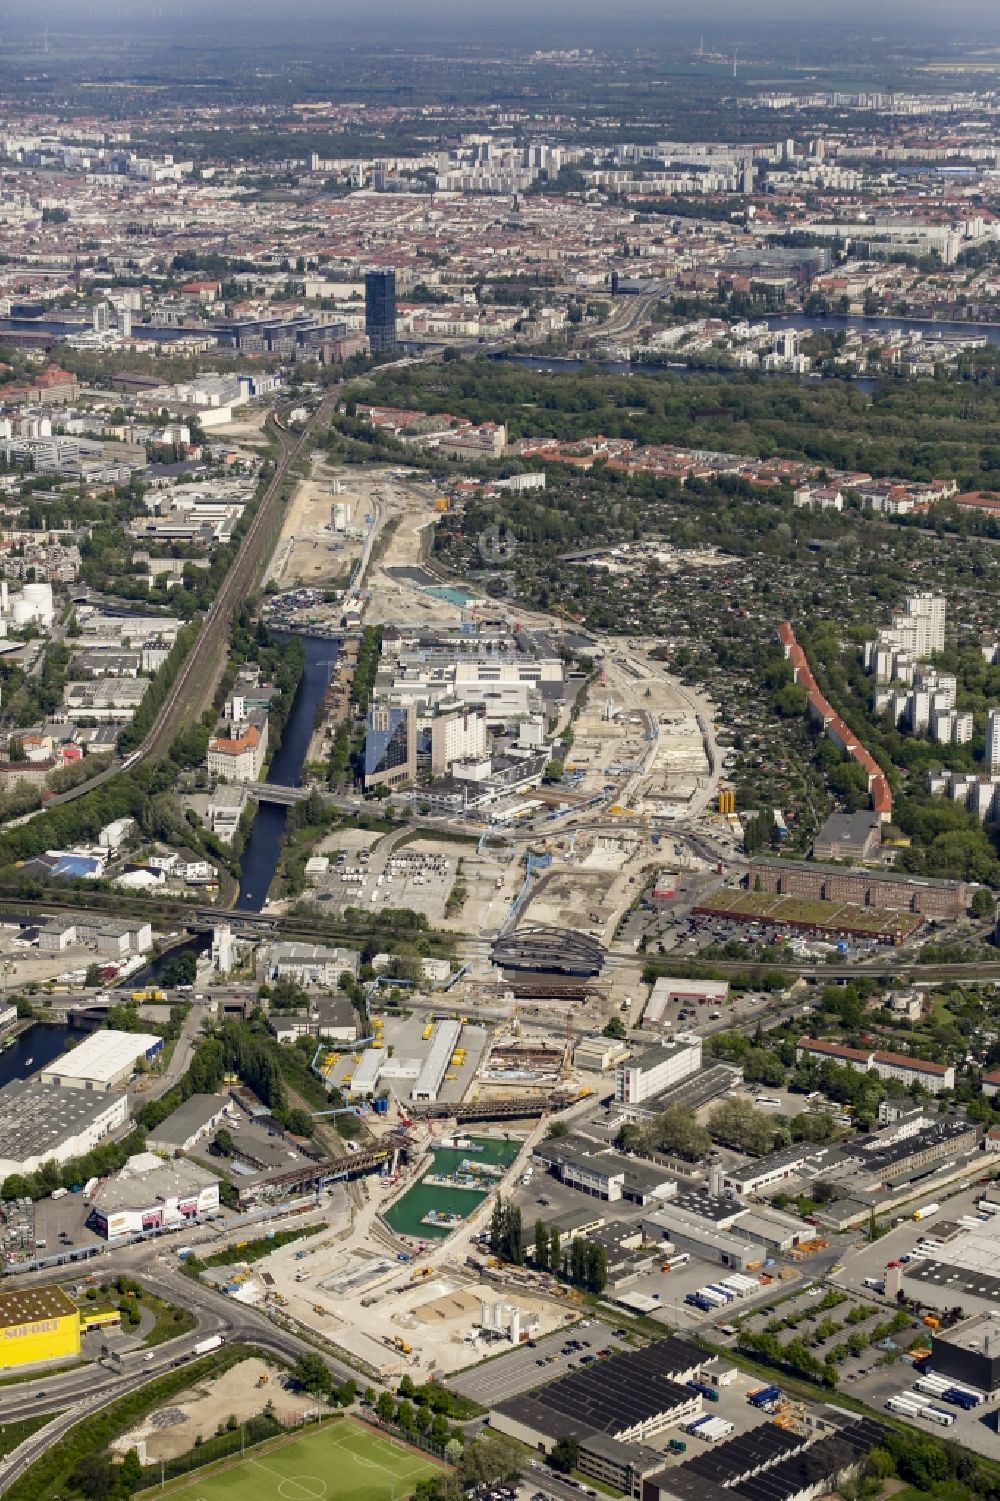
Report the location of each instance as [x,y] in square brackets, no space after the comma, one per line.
[425,1034]
[318,1309]
[931,1320]
[421,1272]
[262,1380]
[402,1345]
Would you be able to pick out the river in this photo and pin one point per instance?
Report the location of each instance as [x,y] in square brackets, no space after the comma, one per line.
[37,1046]
[260,856]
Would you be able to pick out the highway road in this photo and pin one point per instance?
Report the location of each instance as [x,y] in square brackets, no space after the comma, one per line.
[80,1393]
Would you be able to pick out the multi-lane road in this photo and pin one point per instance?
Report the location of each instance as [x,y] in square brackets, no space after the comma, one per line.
[79,1393]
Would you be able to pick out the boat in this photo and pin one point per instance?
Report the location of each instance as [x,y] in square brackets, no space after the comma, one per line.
[28,1062]
[445,1217]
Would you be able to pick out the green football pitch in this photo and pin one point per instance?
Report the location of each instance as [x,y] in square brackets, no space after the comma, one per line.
[345,1461]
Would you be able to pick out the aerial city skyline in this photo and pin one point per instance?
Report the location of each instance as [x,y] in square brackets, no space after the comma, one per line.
[499,751]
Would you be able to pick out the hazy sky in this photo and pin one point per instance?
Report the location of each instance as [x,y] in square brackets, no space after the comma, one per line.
[772,27]
[744,14]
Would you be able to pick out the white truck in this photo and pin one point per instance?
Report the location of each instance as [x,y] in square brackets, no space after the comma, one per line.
[205,1345]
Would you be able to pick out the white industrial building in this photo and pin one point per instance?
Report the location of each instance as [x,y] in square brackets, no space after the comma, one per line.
[667,990]
[438,1058]
[366,1073]
[40,1122]
[149,1194]
[104,1061]
[638,1079]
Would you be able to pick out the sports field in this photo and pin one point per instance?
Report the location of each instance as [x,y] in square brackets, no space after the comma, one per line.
[345,1461]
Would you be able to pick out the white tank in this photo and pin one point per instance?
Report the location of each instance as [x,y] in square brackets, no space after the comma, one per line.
[40,596]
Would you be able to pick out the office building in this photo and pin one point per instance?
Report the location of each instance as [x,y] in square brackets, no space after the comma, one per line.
[238,754]
[380,310]
[390,753]
[638,1079]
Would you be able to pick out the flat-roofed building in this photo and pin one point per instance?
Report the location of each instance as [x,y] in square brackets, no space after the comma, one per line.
[105,1061]
[40,1122]
[37,1323]
[636,1079]
[190,1123]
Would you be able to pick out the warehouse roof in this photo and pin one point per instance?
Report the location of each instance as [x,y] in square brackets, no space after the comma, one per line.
[615,1395]
[32,1304]
[136,1187]
[103,1055]
[194,1115]
[36,1117]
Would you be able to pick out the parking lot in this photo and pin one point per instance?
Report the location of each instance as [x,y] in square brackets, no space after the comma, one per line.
[519,1370]
[968,1428]
[418,879]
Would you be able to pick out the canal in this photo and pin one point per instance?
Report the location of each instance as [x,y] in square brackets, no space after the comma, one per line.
[36,1047]
[260,856]
[406,1216]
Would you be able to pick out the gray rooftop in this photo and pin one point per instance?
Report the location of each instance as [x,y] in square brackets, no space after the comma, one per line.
[194,1115]
[35,1118]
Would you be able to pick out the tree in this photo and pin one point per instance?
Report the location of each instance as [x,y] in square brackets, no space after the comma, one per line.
[541,1246]
[615,1028]
[347,1392]
[489,1460]
[92,1476]
[385,1407]
[983,902]
[565,1453]
[555,1250]
[311,1373]
[299,1123]
[130,1473]
[223,1142]
[497,1227]
[741,1126]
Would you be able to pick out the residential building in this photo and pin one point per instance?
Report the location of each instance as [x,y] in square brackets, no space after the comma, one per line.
[238,755]
[992,755]
[457,734]
[933,1076]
